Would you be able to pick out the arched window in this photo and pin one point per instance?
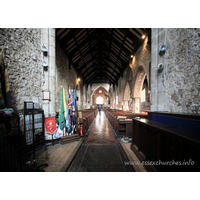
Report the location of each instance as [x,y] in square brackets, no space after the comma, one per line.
[99,100]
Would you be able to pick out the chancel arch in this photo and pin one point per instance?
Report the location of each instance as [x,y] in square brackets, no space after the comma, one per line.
[100,95]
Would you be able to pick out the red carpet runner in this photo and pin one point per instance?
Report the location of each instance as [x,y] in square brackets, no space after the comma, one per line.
[101,151]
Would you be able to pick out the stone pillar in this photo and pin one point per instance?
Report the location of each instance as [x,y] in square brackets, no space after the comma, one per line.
[137,105]
[133,105]
[52,71]
[123,105]
[49,76]
[157,78]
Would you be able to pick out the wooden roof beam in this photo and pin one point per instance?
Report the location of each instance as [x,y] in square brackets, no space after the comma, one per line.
[95,76]
[112,39]
[83,43]
[69,35]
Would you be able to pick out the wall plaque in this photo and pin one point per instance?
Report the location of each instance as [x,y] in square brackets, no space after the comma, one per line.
[46,95]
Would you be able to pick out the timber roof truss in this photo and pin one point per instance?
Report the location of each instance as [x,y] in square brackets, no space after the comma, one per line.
[100,55]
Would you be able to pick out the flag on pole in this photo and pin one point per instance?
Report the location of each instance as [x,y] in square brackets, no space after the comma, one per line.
[65,109]
[61,118]
[67,120]
[58,133]
[70,104]
[74,109]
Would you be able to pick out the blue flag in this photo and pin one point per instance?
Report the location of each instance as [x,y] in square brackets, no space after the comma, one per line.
[70,103]
[61,118]
[74,108]
[67,120]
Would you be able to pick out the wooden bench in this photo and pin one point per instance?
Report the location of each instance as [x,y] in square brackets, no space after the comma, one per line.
[165,147]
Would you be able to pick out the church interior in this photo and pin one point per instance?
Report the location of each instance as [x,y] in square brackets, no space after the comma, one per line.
[127,96]
[92,103]
[121,99]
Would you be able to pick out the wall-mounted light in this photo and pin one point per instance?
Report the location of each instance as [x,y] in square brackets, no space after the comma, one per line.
[131,56]
[78,80]
[160,67]
[163,48]
[44,49]
[143,36]
[45,65]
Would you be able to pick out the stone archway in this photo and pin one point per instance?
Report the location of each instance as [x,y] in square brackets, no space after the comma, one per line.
[138,88]
[100,92]
[97,88]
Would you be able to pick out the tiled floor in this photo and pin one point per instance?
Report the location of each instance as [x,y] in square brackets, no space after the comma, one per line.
[58,157]
[132,157]
[100,132]
[101,151]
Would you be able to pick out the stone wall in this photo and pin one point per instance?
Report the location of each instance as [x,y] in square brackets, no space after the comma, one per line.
[177,87]
[183,70]
[94,86]
[24,60]
[65,77]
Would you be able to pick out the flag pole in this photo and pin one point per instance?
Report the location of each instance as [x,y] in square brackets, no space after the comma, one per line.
[52,140]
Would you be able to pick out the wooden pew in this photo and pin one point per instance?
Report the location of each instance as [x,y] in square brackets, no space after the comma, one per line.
[165,147]
[113,117]
[141,115]
[121,120]
[124,127]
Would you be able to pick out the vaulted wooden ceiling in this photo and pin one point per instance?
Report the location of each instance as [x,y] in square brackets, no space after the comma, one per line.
[100,55]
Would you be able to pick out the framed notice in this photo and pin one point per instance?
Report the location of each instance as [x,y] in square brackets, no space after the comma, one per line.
[46,95]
